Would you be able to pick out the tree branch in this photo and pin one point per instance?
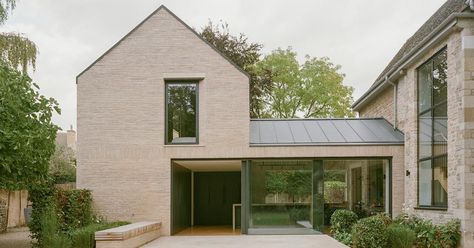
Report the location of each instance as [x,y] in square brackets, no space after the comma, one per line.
[17,51]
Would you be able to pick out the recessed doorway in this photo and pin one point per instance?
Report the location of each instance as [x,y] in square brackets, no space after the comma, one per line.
[206,197]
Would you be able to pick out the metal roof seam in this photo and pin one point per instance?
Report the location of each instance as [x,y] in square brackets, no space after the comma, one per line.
[274,130]
[333,132]
[360,137]
[307,132]
[322,131]
[337,129]
[291,131]
[370,130]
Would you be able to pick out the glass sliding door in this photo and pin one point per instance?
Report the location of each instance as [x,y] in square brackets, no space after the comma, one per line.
[360,185]
[281,194]
[290,196]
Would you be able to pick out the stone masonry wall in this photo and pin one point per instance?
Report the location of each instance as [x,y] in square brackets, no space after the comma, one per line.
[460,131]
[465,172]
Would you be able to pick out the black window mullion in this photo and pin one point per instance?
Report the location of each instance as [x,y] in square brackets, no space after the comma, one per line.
[432,108]
[432,130]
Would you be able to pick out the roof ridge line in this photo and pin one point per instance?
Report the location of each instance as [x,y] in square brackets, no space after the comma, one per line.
[161,7]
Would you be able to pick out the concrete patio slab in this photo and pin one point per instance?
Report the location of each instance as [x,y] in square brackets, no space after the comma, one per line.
[247,241]
[16,238]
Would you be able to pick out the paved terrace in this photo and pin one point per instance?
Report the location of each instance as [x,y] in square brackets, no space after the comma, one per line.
[247,241]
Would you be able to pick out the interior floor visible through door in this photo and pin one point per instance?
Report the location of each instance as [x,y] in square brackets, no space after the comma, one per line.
[209,231]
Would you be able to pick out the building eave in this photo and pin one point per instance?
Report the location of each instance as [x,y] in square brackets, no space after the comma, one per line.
[431,40]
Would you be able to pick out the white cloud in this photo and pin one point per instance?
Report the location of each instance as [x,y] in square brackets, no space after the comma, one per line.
[360,35]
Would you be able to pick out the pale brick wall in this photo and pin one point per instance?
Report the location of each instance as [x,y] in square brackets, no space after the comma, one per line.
[121,153]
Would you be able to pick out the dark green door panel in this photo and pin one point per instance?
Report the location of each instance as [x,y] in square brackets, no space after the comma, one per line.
[214,194]
[318,195]
[181,198]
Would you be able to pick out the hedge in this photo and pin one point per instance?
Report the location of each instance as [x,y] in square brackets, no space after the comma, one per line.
[71,210]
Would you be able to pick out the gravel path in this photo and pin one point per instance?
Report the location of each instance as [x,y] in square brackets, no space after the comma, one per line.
[15,238]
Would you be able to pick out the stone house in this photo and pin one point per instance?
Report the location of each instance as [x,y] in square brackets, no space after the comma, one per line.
[164,134]
[427,92]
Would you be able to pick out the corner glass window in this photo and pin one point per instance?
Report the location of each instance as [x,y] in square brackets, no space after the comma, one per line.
[181,113]
[433,132]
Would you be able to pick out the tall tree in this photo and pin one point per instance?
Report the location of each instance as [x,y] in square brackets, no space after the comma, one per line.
[16,51]
[244,54]
[27,134]
[311,90]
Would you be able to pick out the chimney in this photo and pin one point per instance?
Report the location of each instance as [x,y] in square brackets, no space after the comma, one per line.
[71,139]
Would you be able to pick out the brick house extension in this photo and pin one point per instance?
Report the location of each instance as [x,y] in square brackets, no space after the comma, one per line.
[427,92]
[164,134]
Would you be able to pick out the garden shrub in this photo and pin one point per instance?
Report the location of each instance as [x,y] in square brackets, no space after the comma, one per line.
[42,198]
[51,237]
[408,220]
[75,208]
[342,221]
[71,208]
[85,237]
[425,234]
[450,233]
[328,212]
[344,237]
[429,235]
[371,232]
[400,236]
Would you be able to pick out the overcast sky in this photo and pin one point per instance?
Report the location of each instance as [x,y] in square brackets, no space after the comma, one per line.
[360,35]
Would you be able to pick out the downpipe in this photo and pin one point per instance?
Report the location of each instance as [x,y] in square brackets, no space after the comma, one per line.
[395,101]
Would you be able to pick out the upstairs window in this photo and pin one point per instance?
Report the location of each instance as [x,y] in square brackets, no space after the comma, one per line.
[181,112]
[433,132]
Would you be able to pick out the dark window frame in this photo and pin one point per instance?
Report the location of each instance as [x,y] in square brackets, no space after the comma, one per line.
[175,81]
[432,157]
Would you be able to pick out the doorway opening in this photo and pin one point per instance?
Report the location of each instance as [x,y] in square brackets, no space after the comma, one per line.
[206,197]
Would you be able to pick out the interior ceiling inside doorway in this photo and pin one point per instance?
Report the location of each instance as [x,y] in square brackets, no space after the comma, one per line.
[210,165]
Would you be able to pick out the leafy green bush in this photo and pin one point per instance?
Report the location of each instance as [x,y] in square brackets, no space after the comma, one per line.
[408,220]
[371,232]
[343,237]
[400,236]
[342,221]
[75,208]
[72,210]
[425,233]
[42,198]
[51,237]
[430,235]
[450,233]
[84,237]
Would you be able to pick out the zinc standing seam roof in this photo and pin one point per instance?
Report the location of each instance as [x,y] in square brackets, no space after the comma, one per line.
[357,131]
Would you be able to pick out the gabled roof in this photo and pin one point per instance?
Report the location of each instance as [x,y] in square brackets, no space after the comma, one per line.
[442,14]
[311,132]
[163,8]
